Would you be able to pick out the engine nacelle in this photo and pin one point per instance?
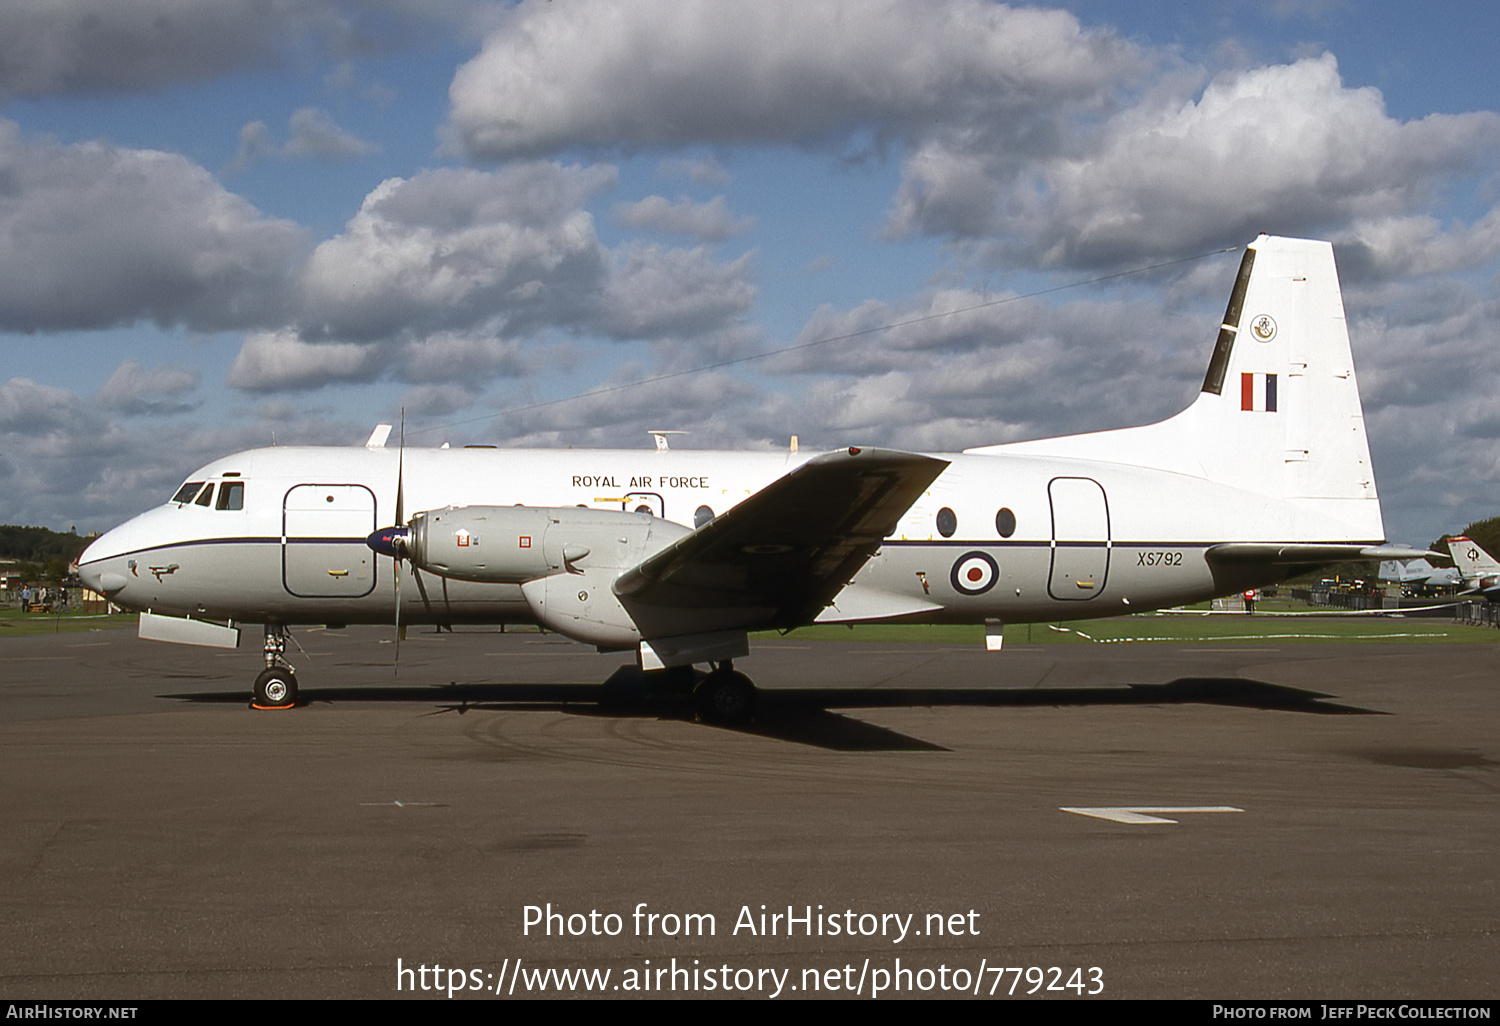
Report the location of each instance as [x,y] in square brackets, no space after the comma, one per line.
[516,544]
[565,558]
[490,544]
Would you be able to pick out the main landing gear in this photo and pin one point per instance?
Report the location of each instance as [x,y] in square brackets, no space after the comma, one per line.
[276,687]
[724,695]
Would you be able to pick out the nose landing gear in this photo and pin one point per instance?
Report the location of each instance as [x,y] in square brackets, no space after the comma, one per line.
[276,687]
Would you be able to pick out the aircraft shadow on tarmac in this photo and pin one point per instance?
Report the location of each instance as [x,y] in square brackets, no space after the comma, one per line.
[802,715]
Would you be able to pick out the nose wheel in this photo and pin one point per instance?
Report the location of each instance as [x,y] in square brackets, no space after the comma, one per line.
[276,687]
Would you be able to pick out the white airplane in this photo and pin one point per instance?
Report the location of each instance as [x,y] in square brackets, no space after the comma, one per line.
[676,555]
[1479,570]
[1419,575]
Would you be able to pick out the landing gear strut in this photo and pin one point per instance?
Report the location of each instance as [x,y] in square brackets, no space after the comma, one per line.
[276,687]
[725,696]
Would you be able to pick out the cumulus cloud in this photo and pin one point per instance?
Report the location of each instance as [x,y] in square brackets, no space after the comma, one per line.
[30,408]
[699,171]
[770,71]
[132,389]
[438,276]
[705,222]
[313,134]
[50,47]
[92,235]
[277,360]
[654,291]
[450,248]
[1020,133]
[1285,148]
[610,416]
[465,359]
[71,460]
[955,368]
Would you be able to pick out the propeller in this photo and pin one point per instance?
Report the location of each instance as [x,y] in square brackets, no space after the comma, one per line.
[391,541]
[400,522]
[395,541]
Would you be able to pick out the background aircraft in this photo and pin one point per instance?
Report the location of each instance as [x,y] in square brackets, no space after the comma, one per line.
[677,555]
[1418,575]
[1479,570]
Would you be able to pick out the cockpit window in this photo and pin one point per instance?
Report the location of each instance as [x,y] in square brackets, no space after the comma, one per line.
[231,495]
[187,491]
[207,496]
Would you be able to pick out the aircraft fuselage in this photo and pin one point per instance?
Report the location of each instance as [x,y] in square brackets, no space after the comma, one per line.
[1009,537]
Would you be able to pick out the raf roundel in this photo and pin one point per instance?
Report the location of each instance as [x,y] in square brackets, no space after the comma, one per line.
[975,573]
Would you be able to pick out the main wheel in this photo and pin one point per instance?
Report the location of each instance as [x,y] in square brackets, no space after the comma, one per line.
[725,696]
[276,688]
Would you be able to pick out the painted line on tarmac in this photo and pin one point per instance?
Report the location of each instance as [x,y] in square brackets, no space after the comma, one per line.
[1136,815]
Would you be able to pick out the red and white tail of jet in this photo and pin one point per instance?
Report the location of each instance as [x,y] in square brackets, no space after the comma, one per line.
[1479,569]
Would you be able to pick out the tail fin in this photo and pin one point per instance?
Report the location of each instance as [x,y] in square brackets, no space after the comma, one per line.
[1477,567]
[1279,411]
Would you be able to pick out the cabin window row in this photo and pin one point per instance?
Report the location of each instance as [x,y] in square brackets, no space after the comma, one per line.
[1005,522]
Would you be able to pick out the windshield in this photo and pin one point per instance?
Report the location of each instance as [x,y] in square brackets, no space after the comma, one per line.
[187,491]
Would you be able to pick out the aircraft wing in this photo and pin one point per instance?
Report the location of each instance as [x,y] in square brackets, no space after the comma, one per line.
[1304,552]
[778,558]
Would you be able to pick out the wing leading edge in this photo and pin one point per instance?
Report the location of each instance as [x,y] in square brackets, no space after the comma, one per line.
[778,558]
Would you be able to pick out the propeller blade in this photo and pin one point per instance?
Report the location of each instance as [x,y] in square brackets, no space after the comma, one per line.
[401,473]
[400,630]
[401,525]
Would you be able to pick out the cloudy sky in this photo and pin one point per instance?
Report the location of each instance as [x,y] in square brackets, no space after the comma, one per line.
[224,222]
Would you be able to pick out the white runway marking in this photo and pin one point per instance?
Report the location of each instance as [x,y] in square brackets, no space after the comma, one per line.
[1137,814]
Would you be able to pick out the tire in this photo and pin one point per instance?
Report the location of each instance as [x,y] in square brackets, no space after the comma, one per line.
[726,697]
[276,689]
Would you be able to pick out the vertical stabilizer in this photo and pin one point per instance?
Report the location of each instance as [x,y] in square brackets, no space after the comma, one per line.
[1477,567]
[1279,411]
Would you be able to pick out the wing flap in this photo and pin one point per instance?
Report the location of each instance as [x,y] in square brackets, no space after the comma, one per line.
[778,558]
[864,602]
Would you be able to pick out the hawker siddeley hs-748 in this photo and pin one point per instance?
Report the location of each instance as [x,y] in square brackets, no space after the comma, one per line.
[676,555]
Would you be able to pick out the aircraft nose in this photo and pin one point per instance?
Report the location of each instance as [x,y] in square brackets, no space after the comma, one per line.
[94,572]
[90,575]
[96,578]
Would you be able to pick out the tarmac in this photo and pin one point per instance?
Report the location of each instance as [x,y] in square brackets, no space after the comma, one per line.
[500,805]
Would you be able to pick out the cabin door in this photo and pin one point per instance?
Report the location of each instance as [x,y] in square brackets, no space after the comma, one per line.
[1080,539]
[323,532]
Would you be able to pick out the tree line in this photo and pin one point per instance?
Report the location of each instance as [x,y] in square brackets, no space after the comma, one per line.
[40,553]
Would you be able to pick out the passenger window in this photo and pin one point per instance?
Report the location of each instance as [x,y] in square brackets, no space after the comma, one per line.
[187,491]
[207,496]
[1005,522]
[231,495]
[947,522]
[702,515]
